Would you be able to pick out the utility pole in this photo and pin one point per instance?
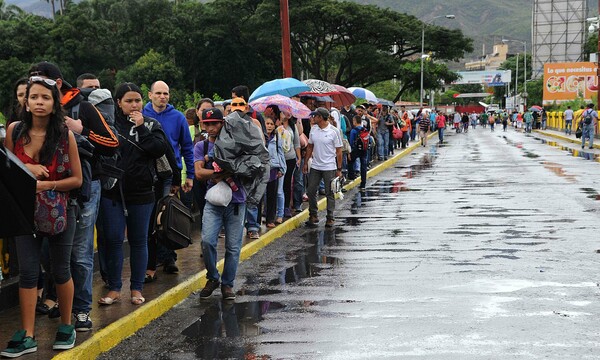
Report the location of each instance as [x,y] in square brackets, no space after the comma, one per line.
[286,52]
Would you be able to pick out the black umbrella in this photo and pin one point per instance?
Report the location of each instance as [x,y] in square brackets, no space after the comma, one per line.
[17,196]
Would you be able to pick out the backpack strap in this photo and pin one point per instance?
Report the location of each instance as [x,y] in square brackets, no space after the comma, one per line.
[75,111]
[16,134]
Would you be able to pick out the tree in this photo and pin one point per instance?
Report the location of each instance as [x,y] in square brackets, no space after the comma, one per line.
[351,44]
[149,68]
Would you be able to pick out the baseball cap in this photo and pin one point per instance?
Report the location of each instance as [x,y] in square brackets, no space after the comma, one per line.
[212,115]
[321,111]
[238,104]
[50,71]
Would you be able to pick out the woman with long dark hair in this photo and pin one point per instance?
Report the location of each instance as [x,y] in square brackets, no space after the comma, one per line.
[129,204]
[49,151]
[17,102]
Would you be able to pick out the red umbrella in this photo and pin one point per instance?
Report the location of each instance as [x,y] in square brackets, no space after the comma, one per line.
[535,108]
[343,96]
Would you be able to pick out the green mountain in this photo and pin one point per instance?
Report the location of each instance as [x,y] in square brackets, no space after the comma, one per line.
[485,21]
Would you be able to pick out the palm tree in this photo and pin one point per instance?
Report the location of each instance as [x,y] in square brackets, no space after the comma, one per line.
[51,2]
[8,12]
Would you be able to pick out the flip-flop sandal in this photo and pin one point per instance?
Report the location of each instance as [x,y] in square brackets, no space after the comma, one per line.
[137,300]
[108,300]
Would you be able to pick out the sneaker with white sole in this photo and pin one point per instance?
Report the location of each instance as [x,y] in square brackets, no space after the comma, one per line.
[82,321]
[19,345]
[65,337]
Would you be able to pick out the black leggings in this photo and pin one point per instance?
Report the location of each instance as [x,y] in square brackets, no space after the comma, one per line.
[29,250]
[287,182]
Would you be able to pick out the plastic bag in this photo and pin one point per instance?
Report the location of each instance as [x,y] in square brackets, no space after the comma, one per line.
[220,194]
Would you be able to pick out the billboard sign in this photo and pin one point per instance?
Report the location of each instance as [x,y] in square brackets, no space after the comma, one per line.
[569,81]
[488,78]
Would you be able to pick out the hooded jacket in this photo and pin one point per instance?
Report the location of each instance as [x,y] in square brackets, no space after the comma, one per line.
[139,147]
[95,127]
[176,128]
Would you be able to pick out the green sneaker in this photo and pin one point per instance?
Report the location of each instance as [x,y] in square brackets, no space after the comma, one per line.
[19,345]
[65,337]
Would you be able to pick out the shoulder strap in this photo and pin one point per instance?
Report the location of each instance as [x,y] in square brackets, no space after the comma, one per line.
[75,111]
[16,134]
[205,147]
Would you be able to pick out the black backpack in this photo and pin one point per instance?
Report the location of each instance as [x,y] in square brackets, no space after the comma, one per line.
[587,117]
[172,223]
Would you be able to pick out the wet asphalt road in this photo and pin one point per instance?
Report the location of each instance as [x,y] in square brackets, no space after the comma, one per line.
[483,248]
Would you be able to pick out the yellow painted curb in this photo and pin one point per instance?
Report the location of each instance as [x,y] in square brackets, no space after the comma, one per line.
[564,138]
[111,335]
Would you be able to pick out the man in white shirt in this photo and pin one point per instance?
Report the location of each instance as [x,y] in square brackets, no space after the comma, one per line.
[325,149]
[568,120]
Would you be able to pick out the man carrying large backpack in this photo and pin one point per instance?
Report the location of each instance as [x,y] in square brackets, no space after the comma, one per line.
[90,124]
[359,140]
[588,122]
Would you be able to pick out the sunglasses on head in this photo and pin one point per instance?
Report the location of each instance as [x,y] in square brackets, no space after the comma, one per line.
[39,79]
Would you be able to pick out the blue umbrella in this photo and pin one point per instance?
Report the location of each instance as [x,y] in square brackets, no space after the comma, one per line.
[286,87]
[364,94]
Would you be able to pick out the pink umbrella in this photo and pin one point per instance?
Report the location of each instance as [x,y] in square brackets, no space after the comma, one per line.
[343,96]
[285,104]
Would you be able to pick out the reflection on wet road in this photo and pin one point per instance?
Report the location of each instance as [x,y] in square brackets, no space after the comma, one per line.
[480,249]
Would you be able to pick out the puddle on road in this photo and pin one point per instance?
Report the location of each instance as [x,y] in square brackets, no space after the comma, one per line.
[558,170]
[573,151]
[591,193]
[226,329]
[217,332]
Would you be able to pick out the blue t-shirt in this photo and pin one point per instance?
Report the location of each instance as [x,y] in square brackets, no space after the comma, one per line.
[237,197]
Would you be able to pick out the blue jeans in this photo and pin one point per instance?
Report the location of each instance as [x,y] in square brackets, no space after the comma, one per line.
[82,255]
[252,218]
[231,217]
[587,131]
[441,134]
[280,197]
[298,185]
[383,144]
[114,222]
[568,126]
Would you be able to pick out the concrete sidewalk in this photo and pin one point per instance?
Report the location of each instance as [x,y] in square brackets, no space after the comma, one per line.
[114,323]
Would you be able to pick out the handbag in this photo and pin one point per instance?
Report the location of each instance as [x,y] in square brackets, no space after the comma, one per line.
[346,148]
[163,169]
[578,132]
[50,215]
[396,133]
[173,223]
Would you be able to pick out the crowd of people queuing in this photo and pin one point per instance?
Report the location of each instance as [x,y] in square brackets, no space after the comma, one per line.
[51,122]
[68,143]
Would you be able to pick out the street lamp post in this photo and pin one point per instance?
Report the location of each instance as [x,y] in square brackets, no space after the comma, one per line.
[524,69]
[423,56]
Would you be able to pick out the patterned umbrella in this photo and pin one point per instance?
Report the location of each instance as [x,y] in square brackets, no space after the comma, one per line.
[364,94]
[285,104]
[319,87]
[285,87]
[343,97]
[535,108]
